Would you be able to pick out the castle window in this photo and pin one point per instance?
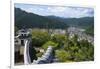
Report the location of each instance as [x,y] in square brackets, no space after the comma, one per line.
[22,42]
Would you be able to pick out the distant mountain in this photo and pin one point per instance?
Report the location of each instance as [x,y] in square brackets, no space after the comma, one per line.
[86,22]
[30,20]
[78,22]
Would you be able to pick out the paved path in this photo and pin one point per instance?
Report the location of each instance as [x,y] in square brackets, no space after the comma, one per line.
[27,59]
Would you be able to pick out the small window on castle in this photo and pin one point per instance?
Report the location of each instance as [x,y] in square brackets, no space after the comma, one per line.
[22,42]
[16,41]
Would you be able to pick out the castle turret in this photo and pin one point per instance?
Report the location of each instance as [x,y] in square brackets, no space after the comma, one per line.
[20,39]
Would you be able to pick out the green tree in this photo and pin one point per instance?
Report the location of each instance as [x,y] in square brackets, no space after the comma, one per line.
[59,38]
[62,55]
[50,43]
[39,37]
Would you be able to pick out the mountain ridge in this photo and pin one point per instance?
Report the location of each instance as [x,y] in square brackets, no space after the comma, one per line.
[31,20]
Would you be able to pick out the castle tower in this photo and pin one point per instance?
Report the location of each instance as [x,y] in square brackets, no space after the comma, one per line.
[20,39]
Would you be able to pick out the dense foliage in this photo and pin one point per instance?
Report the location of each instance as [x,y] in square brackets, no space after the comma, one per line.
[66,50]
[62,55]
[39,38]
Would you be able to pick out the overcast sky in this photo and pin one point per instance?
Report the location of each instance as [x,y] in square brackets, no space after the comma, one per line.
[66,12]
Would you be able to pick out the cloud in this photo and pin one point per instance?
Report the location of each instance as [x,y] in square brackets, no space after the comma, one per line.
[29,9]
[56,9]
